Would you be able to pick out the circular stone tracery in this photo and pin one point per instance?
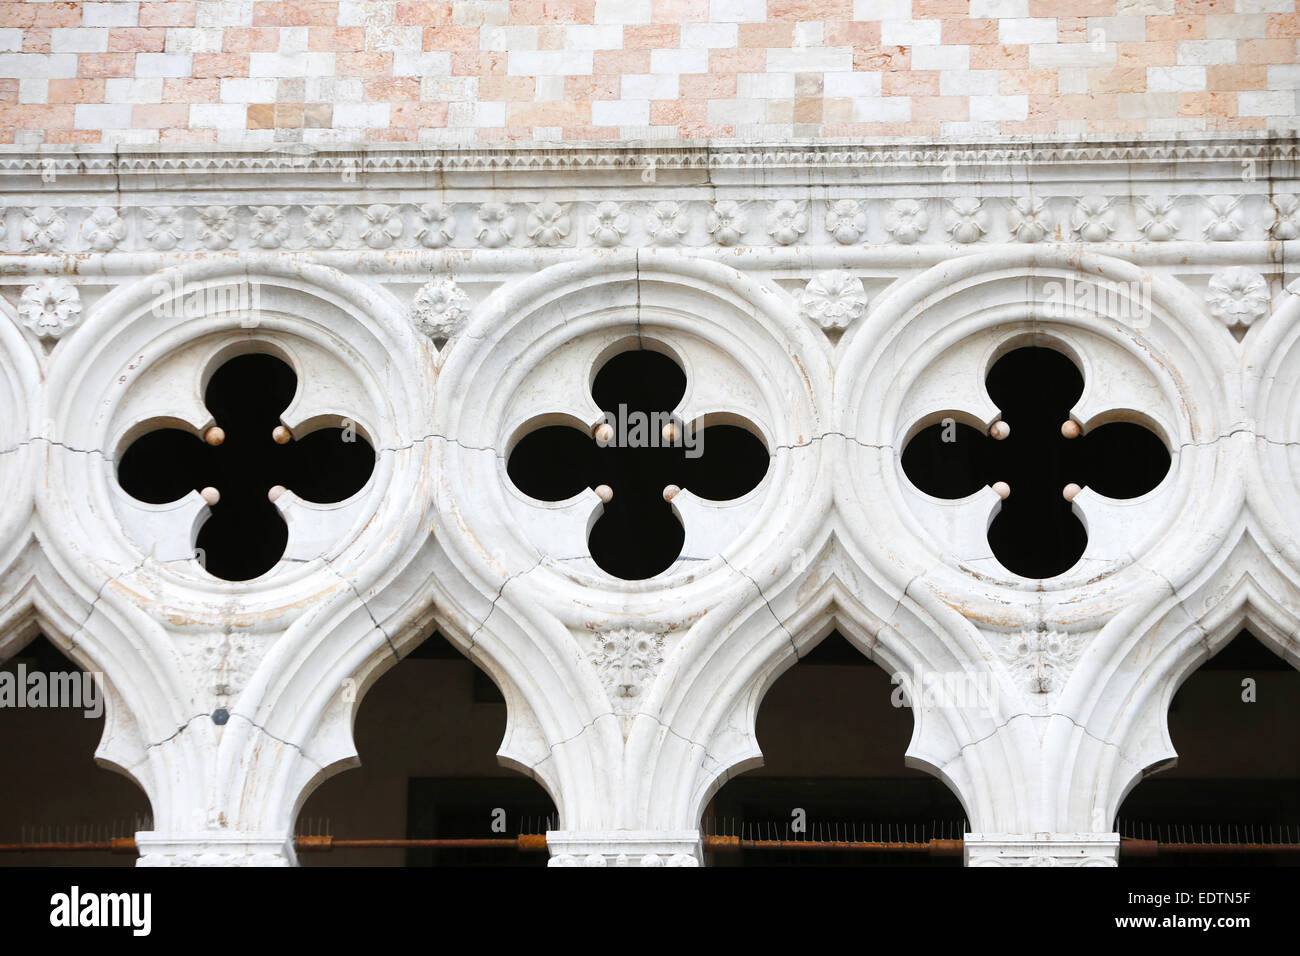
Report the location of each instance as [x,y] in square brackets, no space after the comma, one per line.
[638,458]
[242,463]
[1043,458]
[924,354]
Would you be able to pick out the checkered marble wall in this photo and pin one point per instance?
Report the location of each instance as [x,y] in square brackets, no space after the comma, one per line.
[253,72]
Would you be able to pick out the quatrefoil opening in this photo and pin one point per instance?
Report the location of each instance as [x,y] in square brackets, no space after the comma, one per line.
[1037,531]
[244,456]
[644,457]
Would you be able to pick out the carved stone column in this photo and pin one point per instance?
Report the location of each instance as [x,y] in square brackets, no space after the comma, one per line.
[215,848]
[1042,849]
[625,848]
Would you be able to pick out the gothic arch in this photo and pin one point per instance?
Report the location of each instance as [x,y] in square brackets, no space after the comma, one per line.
[1159,653]
[151,613]
[526,354]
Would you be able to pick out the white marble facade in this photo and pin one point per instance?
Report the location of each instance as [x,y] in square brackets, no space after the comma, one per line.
[830,296]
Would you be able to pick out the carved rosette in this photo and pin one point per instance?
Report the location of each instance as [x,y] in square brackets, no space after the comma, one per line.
[846,221]
[965,219]
[104,229]
[834,299]
[787,221]
[1093,219]
[50,307]
[495,226]
[216,227]
[440,308]
[548,224]
[1237,296]
[1026,219]
[727,222]
[609,225]
[907,221]
[666,223]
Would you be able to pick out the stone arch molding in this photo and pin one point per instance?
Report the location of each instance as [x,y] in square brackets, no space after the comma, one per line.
[527,358]
[830,538]
[181,648]
[1150,351]
[21,381]
[1247,579]
[919,591]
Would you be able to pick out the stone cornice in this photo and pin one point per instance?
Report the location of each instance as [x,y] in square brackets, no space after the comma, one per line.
[128,161]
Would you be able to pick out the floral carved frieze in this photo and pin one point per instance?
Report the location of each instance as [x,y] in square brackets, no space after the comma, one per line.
[650,222]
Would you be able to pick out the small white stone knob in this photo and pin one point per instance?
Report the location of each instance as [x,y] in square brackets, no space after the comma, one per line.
[210,495]
[671,492]
[276,492]
[670,432]
[1070,429]
[1071,491]
[1000,430]
[1002,489]
[605,493]
[604,433]
[281,435]
[215,435]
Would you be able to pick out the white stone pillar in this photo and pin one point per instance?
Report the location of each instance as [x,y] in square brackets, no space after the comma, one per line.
[625,848]
[214,848]
[1042,849]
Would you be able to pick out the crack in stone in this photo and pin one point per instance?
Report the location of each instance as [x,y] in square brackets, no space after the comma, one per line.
[766,603]
[610,713]
[500,591]
[996,730]
[50,441]
[100,593]
[434,435]
[179,730]
[1218,438]
[281,740]
[373,620]
[817,438]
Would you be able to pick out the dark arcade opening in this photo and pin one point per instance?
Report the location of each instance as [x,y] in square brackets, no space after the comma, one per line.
[427,735]
[1237,779]
[52,790]
[833,744]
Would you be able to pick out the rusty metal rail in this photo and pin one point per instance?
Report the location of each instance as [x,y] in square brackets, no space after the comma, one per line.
[116,845]
[732,844]
[536,843]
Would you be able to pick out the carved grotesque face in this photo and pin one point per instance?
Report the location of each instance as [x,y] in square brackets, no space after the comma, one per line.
[626,660]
